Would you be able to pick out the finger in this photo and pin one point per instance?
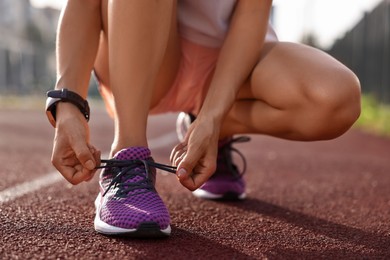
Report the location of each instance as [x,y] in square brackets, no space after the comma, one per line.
[179,155]
[197,178]
[80,177]
[81,173]
[87,174]
[202,173]
[193,172]
[173,152]
[69,161]
[179,158]
[70,174]
[64,165]
[178,149]
[70,168]
[90,178]
[84,155]
[96,155]
[185,170]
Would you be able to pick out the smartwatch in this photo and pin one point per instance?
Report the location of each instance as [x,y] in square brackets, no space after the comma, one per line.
[64,95]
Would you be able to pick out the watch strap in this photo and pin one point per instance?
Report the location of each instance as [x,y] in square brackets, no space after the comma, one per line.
[65,95]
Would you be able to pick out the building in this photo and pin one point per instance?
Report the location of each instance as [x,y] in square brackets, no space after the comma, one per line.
[26,47]
[366,50]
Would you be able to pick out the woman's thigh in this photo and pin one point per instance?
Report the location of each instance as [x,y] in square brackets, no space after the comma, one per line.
[306,88]
[289,73]
[168,69]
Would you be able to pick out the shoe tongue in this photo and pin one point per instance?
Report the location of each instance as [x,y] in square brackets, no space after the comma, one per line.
[132,153]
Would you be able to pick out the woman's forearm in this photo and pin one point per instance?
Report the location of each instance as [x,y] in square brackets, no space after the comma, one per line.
[77,44]
[239,54]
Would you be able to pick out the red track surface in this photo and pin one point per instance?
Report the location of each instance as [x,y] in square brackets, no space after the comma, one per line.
[305,200]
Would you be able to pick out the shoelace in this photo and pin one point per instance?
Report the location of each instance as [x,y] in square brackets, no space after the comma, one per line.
[126,171]
[126,168]
[226,150]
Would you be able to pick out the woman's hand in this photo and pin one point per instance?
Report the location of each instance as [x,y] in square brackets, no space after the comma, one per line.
[73,156]
[196,157]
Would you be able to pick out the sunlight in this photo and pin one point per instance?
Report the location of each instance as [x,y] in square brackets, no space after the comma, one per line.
[326,20]
[48,3]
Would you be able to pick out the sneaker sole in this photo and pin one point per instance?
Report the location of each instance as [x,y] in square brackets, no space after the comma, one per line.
[199,193]
[144,230]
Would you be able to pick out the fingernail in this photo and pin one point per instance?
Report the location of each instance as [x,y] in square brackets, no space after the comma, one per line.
[90,165]
[181,172]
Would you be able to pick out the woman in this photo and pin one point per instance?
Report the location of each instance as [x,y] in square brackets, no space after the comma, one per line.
[217,60]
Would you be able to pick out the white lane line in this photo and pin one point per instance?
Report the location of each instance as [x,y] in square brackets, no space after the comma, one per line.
[19,190]
[27,187]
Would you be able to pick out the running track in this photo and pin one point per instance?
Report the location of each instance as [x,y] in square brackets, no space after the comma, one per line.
[327,200]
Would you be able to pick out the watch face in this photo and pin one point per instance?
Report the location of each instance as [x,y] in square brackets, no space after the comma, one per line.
[51,110]
[51,118]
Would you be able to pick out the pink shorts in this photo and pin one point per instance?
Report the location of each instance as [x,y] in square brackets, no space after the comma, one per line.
[192,80]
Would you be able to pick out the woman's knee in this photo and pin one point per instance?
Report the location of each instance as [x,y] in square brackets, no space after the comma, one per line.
[333,104]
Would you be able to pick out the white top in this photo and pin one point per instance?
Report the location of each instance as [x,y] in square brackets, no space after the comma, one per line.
[206,22]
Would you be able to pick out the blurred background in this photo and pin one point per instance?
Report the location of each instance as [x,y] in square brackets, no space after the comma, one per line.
[357,32]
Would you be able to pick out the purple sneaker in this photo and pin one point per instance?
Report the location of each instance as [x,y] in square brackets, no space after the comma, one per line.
[128,203]
[227,182]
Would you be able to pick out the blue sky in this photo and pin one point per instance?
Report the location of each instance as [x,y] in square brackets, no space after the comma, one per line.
[326,19]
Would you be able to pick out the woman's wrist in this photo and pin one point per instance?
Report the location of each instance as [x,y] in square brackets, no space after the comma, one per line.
[211,119]
[216,108]
[66,111]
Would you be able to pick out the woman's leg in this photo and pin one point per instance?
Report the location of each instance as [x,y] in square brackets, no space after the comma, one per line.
[296,92]
[77,44]
[138,59]
[137,62]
